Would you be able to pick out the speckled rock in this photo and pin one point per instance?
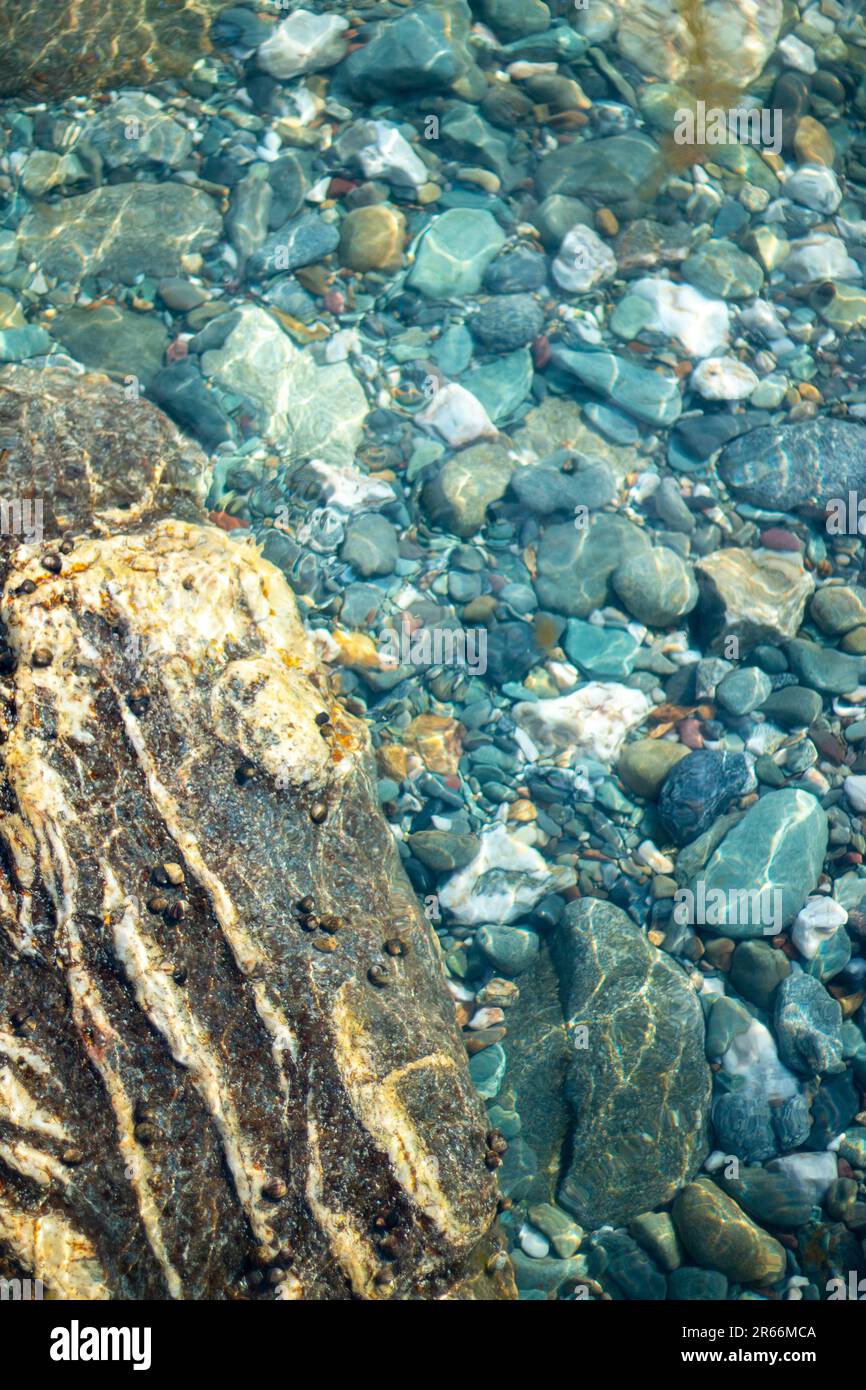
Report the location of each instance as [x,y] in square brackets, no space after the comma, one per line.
[808,1025]
[637,1085]
[802,466]
[700,788]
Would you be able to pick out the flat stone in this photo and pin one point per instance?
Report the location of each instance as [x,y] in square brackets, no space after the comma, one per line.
[304,42]
[454,253]
[653,397]
[611,170]
[575,564]
[837,608]
[370,546]
[110,338]
[466,485]
[721,269]
[808,464]
[120,231]
[317,412]
[638,1085]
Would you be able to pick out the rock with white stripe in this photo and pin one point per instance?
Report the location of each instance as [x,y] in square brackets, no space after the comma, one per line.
[204,1077]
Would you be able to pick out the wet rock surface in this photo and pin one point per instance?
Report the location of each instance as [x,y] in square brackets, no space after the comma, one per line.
[135,933]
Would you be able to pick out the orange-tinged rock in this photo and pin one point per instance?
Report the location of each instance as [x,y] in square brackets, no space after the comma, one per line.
[393,761]
[522,810]
[438,740]
[356,649]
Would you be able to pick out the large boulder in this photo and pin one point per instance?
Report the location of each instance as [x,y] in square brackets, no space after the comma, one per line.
[638,1085]
[227,1077]
[93,44]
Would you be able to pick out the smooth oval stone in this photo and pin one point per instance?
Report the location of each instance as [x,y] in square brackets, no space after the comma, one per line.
[774,1199]
[645,764]
[743,691]
[756,970]
[718,1233]
[657,588]
[793,706]
[778,845]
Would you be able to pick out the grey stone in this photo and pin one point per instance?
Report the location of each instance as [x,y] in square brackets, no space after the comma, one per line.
[638,1084]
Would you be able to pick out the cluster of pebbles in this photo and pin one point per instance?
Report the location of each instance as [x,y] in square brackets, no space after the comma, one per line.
[479,352]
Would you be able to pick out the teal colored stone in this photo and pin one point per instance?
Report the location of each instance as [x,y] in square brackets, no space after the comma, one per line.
[721,269]
[454,253]
[823,668]
[17,344]
[503,385]
[778,845]
[745,690]
[509,949]
[601,651]
[853,1147]
[631,314]
[452,353]
[612,170]
[832,955]
[487,1070]
[613,424]
[653,397]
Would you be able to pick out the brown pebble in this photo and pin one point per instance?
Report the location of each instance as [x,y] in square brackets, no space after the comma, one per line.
[379,975]
[42,656]
[318,812]
[396,947]
[72,1157]
[325,943]
[52,563]
[178,910]
[174,874]
[158,904]
[275,1190]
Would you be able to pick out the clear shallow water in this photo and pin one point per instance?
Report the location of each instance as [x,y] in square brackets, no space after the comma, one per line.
[543,387]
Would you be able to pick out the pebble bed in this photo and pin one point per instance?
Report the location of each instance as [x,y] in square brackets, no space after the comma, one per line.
[556,428]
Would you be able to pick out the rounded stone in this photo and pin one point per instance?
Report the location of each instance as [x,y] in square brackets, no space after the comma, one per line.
[508,322]
[656,588]
[370,546]
[645,764]
[372,238]
[719,1235]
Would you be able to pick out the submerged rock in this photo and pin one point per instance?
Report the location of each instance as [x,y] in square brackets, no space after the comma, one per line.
[237,1069]
[637,1083]
[93,44]
[798,467]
